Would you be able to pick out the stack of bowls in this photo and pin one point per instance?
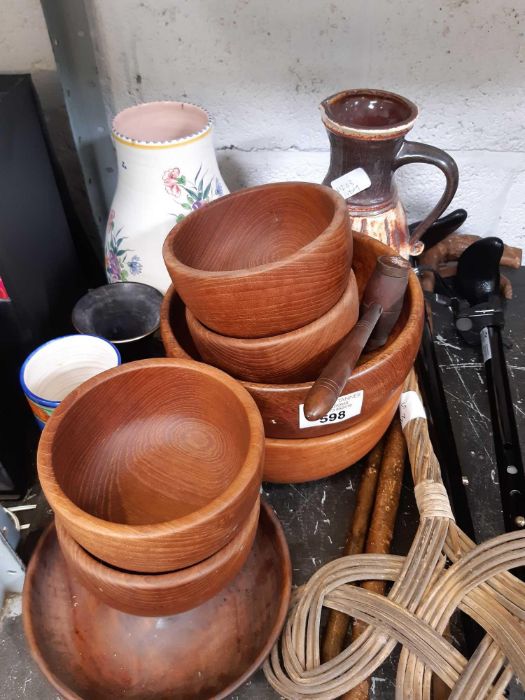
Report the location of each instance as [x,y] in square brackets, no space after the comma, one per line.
[266,277]
[153,470]
[266,283]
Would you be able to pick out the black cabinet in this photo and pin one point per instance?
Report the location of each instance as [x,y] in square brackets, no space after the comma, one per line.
[40,270]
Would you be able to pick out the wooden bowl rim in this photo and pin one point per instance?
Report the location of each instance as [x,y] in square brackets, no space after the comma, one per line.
[163,580]
[268,342]
[416,302]
[340,218]
[61,503]
[283,560]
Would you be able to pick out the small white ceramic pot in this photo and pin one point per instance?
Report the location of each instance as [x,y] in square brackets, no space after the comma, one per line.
[166,169]
[57,367]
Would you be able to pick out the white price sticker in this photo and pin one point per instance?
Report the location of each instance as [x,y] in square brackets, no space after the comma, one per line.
[410,407]
[345,407]
[486,350]
[351,183]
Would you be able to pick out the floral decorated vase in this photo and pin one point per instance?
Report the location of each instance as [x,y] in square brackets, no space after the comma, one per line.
[166,169]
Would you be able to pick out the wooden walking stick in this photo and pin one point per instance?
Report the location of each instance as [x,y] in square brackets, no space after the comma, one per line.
[338,623]
[382,524]
[385,469]
[443,257]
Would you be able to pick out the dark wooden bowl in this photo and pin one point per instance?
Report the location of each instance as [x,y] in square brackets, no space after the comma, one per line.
[160,594]
[379,375]
[262,261]
[155,465]
[89,651]
[294,461]
[296,356]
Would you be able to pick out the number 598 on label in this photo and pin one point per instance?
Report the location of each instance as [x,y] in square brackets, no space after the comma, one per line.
[345,407]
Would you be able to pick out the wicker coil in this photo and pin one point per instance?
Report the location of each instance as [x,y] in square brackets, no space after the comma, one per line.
[444,571]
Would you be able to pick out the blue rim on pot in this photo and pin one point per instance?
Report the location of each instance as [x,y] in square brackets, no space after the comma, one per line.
[43,406]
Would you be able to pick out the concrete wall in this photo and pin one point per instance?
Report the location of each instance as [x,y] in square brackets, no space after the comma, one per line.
[262,67]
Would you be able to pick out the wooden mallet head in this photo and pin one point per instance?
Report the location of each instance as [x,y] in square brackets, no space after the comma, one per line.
[380,308]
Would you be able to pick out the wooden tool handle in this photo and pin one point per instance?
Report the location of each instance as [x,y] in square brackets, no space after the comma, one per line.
[511,257]
[328,387]
[445,253]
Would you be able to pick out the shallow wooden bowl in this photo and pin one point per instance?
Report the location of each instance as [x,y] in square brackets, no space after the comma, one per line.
[160,594]
[294,461]
[296,356]
[89,651]
[155,465]
[379,375]
[262,261]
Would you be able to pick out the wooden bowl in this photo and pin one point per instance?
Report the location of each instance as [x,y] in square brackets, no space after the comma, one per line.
[296,356]
[89,650]
[262,261]
[379,375]
[160,594]
[155,465]
[296,460]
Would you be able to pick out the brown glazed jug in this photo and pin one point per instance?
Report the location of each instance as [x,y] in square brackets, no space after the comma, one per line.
[367,131]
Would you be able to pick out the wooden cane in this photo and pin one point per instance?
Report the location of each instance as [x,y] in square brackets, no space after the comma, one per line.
[444,255]
[382,524]
[382,480]
[338,623]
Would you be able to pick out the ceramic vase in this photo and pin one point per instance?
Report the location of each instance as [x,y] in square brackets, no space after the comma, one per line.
[166,169]
[367,130]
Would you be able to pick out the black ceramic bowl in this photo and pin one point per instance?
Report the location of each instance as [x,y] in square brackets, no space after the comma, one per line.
[121,312]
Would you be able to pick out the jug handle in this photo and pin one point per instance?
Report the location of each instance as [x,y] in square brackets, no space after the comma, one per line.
[414,152]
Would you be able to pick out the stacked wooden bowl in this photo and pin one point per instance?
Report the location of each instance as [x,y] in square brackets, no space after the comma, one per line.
[153,470]
[91,651]
[266,278]
[266,284]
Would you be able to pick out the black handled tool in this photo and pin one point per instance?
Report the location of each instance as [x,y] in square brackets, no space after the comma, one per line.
[479,320]
[439,421]
[429,376]
[441,228]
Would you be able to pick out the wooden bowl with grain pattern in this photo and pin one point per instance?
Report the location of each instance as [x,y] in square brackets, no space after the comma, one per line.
[379,375]
[262,261]
[155,465]
[296,356]
[296,460]
[165,593]
[87,649]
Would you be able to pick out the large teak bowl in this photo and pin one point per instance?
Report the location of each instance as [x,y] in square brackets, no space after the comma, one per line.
[297,460]
[155,465]
[160,594]
[379,375]
[89,651]
[262,261]
[296,356]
